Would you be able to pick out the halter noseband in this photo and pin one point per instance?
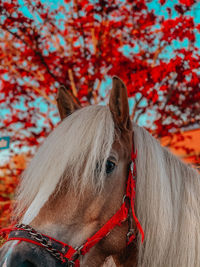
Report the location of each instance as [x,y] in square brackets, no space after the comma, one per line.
[68,255]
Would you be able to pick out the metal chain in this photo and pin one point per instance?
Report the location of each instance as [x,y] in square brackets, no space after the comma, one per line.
[39,238]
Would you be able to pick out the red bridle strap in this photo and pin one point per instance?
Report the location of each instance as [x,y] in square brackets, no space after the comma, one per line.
[121,215]
[117,219]
[59,249]
[131,190]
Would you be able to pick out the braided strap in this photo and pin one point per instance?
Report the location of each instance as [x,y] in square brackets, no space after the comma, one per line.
[57,249]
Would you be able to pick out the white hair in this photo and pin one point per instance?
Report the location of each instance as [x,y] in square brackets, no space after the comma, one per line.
[167,205]
[167,190]
[75,150]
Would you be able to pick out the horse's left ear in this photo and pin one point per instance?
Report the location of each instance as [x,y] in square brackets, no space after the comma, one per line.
[66,102]
[118,104]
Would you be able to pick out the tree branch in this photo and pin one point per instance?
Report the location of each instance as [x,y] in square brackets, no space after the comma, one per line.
[137,102]
[37,53]
[71,77]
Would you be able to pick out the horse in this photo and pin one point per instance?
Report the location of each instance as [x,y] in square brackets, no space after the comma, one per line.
[77,183]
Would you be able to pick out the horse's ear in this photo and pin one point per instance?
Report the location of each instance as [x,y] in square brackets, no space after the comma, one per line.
[66,102]
[118,104]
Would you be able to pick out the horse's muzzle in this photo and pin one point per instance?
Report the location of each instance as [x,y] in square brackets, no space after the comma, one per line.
[27,255]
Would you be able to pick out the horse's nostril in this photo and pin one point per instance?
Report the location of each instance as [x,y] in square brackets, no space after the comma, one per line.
[27,264]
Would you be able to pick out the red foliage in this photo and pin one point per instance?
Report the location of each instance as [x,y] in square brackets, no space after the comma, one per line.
[178,28]
[9,178]
[188,3]
[83,45]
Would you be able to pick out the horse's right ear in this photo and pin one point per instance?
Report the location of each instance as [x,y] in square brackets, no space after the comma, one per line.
[66,102]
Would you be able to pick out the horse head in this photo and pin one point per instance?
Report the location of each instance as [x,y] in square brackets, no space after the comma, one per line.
[76,198]
[77,182]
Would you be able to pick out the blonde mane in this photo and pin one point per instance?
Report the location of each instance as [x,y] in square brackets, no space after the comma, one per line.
[167,205]
[82,139]
[167,190]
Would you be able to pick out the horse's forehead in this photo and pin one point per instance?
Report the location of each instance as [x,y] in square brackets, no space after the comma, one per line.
[123,143]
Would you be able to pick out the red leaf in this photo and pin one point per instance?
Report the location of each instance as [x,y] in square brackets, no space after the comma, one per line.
[162,2]
[188,3]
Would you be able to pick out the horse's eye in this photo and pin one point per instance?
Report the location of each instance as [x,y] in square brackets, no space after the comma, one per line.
[110,165]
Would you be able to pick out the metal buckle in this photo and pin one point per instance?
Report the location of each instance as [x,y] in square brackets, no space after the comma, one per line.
[77,254]
[129,234]
[124,198]
[132,167]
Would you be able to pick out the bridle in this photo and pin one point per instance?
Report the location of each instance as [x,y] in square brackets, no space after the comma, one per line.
[69,256]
